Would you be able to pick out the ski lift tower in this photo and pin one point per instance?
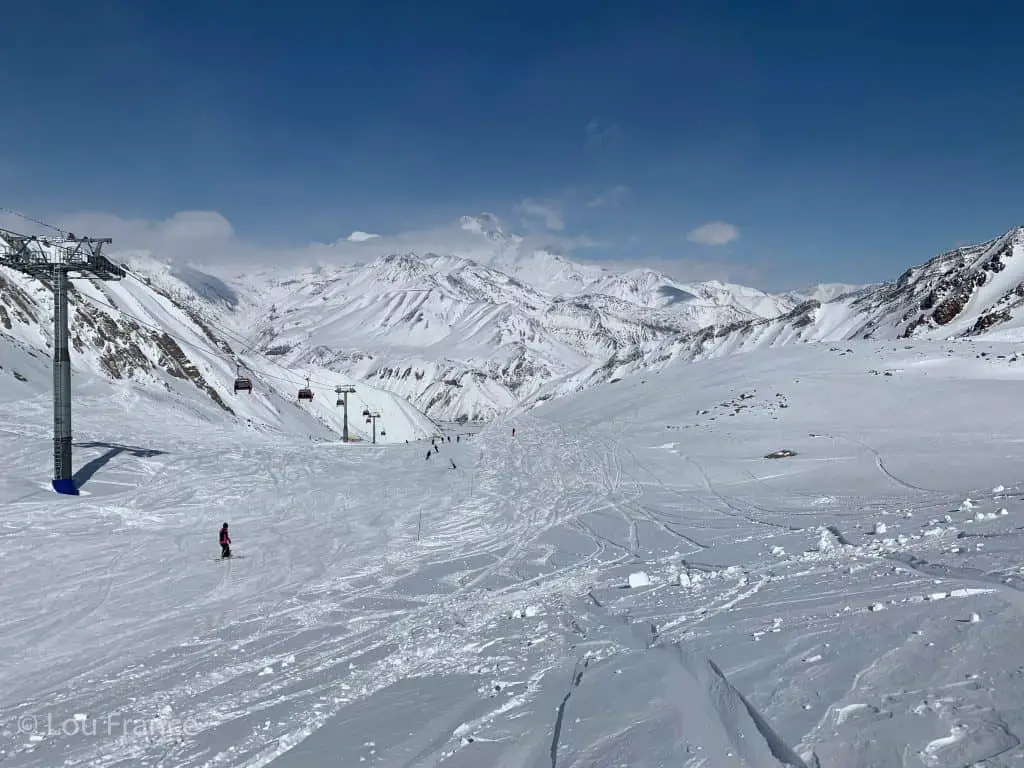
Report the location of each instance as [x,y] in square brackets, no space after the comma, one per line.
[343,392]
[52,260]
[371,418]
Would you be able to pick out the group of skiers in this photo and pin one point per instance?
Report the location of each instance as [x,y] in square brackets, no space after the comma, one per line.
[434,449]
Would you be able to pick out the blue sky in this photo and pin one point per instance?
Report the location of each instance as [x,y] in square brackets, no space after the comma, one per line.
[838,140]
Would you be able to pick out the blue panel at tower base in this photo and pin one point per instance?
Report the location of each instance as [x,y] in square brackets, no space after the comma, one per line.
[65,486]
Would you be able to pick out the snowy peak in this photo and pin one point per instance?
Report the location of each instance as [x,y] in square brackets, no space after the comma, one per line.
[400,269]
[644,287]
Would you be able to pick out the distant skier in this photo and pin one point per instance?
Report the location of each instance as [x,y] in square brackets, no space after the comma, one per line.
[225,541]
[513,431]
[428,453]
[457,438]
[449,438]
[453,464]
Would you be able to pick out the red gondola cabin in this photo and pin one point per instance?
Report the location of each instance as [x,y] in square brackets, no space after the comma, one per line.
[305,393]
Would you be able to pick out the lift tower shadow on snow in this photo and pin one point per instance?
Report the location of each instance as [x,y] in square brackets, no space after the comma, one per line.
[52,260]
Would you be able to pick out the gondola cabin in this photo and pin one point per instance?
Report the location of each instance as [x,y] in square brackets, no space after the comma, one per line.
[305,393]
[243,385]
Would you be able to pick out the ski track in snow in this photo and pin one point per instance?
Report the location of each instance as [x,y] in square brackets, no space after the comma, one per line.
[391,611]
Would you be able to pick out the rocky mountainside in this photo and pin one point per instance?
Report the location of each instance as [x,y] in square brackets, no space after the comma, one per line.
[967,292]
[163,337]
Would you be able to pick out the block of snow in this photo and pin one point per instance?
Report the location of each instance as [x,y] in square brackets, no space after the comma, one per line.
[531,610]
[975,618]
[879,529]
[998,489]
[877,607]
[639,579]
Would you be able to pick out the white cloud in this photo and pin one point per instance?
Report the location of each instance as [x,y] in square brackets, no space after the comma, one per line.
[207,239]
[609,198]
[714,233]
[548,211]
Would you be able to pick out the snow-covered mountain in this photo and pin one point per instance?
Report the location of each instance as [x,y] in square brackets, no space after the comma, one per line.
[967,292]
[466,335]
[469,334]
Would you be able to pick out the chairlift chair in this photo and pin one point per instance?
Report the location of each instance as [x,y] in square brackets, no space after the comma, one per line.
[242,382]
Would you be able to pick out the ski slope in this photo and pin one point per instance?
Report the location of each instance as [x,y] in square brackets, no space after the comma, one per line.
[627,581]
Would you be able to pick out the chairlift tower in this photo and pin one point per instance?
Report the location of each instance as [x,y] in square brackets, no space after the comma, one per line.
[343,392]
[53,260]
[371,418]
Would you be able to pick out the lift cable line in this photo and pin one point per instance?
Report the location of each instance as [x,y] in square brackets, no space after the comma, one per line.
[198,348]
[243,341]
[53,260]
[241,383]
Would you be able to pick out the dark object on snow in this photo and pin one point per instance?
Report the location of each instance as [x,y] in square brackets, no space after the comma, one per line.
[513,431]
[428,453]
[225,541]
[457,438]
[453,464]
[783,454]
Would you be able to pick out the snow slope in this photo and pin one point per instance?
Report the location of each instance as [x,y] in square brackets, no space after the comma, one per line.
[627,581]
[161,336]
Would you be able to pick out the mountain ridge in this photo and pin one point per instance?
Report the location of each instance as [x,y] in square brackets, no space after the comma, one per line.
[468,338]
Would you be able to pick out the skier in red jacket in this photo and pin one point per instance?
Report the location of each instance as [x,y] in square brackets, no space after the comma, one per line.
[225,541]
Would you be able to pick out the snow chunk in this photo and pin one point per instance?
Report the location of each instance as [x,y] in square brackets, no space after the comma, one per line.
[879,529]
[998,489]
[639,579]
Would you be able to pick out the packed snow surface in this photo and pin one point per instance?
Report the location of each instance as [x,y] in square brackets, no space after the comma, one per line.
[628,581]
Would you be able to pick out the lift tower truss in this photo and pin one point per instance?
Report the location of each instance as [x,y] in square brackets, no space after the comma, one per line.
[343,392]
[53,260]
